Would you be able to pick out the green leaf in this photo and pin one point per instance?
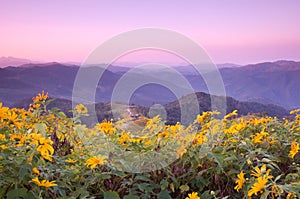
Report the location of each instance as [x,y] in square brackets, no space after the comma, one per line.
[82,192]
[265,195]
[61,115]
[184,188]
[142,177]
[164,184]
[277,178]
[143,187]
[17,193]
[23,171]
[266,160]
[111,195]
[172,187]
[131,197]
[164,194]
[49,101]
[41,128]
[79,130]
[54,110]
[231,158]
[218,158]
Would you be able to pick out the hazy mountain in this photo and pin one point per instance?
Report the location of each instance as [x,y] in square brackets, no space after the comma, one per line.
[13,61]
[270,82]
[267,83]
[184,69]
[228,65]
[18,83]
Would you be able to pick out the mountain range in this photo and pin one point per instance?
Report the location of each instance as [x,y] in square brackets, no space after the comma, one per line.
[275,83]
[13,61]
[173,109]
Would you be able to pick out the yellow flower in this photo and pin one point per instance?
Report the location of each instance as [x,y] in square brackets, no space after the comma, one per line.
[106,127]
[45,148]
[152,121]
[41,97]
[256,122]
[258,186]
[3,146]
[136,140]
[36,181]
[235,127]
[35,137]
[233,113]
[81,109]
[3,111]
[205,115]
[175,128]
[262,171]
[200,118]
[36,171]
[2,137]
[69,160]
[181,151]
[233,140]
[248,161]
[94,161]
[258,172]
[193,195]
[257,138]
[163,134]
[286,122]
[294,111]
[15,137]
[12,117]
[43,183]
[34,107]
[200,138]
[294,149]
[271,140]
[240,181]
[290,195]
[124,139]
[148,143]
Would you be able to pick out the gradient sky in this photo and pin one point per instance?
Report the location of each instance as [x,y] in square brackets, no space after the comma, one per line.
[233,31]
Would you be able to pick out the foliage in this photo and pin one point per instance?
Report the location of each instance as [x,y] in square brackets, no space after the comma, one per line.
[45,154]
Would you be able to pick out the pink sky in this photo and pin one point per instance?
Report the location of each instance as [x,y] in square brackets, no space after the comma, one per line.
[231,31]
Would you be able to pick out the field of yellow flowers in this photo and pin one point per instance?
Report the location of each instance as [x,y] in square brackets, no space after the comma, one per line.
[45,154]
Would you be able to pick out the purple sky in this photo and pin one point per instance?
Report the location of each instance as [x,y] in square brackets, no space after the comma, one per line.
[230,30]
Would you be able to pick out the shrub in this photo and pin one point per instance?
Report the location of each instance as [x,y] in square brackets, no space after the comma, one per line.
[45,154]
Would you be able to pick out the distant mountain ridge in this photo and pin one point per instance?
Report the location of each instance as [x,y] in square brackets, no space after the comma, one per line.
[13,61]
[232,104]
[268,83]
[273,82]
[173,109]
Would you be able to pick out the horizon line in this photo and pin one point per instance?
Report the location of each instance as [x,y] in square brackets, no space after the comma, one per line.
[127,63]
